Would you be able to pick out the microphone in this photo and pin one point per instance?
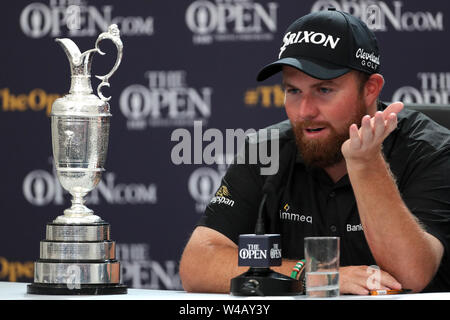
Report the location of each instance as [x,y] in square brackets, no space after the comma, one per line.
[260,251]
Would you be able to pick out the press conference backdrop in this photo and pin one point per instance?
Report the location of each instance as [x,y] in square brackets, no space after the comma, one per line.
[184,61]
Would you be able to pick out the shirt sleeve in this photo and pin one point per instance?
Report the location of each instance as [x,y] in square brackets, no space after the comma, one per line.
[427,195]
[234,207]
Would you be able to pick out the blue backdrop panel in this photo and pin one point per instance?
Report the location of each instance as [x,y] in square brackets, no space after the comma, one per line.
[184,61]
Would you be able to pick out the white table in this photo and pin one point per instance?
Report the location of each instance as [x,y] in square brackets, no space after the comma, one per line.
[18,291]
[180,305]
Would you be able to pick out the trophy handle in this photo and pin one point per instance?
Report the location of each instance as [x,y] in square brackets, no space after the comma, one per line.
[112,34]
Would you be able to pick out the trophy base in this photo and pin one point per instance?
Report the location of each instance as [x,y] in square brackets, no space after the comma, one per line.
[77,259]
[83,289]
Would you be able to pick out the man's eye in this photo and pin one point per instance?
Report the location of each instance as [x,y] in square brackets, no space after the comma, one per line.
[324,90]
[292,91]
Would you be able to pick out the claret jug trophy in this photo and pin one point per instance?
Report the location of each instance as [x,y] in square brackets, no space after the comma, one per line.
[78,256]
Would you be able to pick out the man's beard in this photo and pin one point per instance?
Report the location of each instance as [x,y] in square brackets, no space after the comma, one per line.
[325,152]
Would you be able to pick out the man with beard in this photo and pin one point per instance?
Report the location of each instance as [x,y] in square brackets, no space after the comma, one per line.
[377,176]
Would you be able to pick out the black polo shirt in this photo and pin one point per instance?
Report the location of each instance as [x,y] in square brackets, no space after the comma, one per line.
[304,201]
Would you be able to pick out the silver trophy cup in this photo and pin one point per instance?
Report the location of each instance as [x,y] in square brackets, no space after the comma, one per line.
[78,256]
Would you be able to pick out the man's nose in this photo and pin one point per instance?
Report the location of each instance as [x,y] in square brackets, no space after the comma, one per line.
[307,109]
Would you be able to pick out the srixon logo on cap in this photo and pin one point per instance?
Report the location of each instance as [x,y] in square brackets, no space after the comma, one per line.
[308,37]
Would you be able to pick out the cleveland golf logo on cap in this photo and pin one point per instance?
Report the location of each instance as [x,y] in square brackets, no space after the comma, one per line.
[370,60]
[308,37]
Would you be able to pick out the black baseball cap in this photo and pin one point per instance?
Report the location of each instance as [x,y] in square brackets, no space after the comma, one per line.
[326,45]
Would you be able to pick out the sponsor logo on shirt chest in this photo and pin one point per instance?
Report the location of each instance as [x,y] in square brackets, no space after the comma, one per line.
[287,214]
[354,227]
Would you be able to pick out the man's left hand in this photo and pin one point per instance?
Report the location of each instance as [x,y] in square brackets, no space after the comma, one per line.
[365,143]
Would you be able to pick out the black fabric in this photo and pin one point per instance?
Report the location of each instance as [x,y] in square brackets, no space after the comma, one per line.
[326,45]
[305,202]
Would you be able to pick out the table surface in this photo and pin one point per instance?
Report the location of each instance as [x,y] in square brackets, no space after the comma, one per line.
[18,291]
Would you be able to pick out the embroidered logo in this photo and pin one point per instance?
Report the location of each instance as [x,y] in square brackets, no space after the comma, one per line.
[309,37]
[223,196]
[285,214]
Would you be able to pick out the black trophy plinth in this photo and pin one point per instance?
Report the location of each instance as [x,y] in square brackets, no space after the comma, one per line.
[84,289]
[77,259]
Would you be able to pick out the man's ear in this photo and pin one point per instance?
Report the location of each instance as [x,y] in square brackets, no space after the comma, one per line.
[372,89]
